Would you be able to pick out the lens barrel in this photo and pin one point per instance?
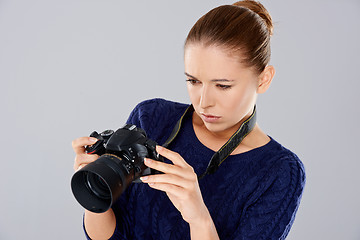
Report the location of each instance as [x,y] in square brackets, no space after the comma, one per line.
[99,183]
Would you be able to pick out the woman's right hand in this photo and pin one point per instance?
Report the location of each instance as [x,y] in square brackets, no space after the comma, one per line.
[82,158]
[97,225]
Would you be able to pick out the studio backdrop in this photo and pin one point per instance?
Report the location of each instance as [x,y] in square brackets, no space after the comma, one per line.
[73,66]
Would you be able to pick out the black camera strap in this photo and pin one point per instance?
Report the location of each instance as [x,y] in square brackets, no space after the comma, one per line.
[234,141]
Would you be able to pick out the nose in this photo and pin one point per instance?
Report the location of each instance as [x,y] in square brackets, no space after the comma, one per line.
[206,98]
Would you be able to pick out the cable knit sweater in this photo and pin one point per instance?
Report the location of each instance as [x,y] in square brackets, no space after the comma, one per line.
[253,195]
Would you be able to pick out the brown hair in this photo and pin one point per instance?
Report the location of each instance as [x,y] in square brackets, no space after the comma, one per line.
[243,29]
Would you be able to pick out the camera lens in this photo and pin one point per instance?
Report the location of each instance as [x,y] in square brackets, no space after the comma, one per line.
[97,185]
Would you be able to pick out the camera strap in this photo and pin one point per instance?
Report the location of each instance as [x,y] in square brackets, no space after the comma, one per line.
[234,141]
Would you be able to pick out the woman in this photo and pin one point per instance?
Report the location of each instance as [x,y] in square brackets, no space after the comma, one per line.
[255,192]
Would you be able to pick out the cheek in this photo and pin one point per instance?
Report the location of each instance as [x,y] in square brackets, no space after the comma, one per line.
[192,94]
[237,103]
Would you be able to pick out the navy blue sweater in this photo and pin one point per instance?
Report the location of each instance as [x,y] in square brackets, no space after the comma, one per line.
[253,195]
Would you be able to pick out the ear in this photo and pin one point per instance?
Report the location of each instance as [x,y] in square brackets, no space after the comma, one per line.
[265,79]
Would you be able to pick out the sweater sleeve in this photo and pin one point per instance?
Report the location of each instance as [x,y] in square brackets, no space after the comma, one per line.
[271,211]
[122,209]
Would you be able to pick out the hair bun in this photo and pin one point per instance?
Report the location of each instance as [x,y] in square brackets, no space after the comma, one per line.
[258,8]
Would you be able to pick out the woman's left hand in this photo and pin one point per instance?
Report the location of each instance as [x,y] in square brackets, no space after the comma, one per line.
[180,183]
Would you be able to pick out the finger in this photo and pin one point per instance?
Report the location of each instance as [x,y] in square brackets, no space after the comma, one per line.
[79,167]
[168,178]
[185,173]
[80,143]
[169,189]
[162,167]
[172,156]
[84,159]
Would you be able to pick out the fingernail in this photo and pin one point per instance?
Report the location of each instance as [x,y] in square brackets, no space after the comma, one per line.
[147,160]
[93,139]
[144,178]
[159,148]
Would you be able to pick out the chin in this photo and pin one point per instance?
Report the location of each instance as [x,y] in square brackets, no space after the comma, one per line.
[215,127]
[221,128]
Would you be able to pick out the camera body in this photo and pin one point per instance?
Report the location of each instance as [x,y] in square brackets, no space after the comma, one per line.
[97,185]
[129,143]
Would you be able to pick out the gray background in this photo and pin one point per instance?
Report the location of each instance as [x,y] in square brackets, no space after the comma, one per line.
[72,66]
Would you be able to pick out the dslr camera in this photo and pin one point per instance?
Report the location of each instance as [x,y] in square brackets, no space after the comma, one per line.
[97,185]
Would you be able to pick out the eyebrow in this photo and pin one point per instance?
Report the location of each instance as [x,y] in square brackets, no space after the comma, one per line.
[213,80]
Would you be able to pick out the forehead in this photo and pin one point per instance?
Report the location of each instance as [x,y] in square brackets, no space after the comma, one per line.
[213,62]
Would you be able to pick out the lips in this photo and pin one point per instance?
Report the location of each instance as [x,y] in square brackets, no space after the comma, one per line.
[209,118]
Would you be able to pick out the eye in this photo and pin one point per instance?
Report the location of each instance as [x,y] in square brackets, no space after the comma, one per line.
[224,87]
[192,81]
